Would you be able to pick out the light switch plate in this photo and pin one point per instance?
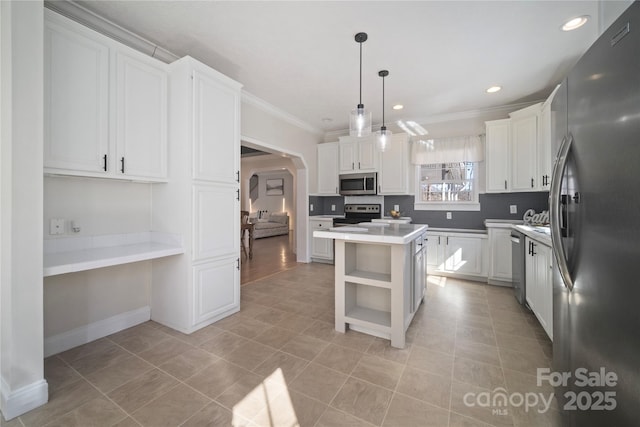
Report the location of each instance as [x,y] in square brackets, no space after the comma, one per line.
[56,226]
[311,207]
[448,215]
[333,208]
[513,209]
[396,208]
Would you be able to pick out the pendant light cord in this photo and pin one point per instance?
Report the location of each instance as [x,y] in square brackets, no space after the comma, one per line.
[360,72]
[383,101]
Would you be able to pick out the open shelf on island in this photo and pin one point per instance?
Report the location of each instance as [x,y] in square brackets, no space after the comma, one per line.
[370,318]
[370,278]
[73,254]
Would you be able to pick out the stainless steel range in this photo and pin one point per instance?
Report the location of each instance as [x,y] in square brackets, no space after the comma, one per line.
[357,213]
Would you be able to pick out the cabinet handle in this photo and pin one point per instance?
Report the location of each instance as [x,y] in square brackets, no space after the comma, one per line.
[353,166]
[447,240]
[104,162]
[359,165]
[531,182]
[238,194]
[379,191]
[237,176]
[336,190]
[237,263]
[438,239]
[533,247]
[505,184]
[122,165]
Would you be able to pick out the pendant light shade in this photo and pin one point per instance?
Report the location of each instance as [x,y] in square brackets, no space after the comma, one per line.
[360,119]
[383,136]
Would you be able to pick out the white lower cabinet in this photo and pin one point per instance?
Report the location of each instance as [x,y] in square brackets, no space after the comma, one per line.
[539,281]
[500,264]
[321,249]
[212,296]
[453,253]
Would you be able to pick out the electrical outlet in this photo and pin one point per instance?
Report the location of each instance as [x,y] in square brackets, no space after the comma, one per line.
[56,226]
[396,208]
[333,208]
[513,209]
[448,215]
[311,207]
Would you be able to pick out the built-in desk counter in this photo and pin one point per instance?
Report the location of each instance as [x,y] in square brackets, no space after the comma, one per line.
[72,254]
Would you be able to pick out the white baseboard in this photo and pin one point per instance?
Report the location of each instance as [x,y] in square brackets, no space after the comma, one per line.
[87,333]
[20,401]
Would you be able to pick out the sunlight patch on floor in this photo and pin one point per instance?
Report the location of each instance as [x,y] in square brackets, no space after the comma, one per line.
[268,403]
[436,280]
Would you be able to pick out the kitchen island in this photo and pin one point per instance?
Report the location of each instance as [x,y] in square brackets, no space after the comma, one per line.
[379,277]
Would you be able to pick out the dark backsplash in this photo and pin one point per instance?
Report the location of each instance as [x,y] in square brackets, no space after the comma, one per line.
[492,206]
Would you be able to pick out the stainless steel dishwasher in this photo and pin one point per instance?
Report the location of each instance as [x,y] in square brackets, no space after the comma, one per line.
[518,266]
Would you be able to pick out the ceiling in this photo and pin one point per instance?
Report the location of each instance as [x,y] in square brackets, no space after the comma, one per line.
[441,55]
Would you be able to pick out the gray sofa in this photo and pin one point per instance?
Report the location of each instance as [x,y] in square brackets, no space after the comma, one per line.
[276,224]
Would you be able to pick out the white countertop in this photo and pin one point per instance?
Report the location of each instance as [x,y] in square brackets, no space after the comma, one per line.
[325,216]
[501,223]
[390,220]
[458,230]
[72,254]
[538,233]
[395,234]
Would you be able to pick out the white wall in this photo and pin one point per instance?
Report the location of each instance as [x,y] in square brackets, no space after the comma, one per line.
[98,206]
[264,128]
[21,149]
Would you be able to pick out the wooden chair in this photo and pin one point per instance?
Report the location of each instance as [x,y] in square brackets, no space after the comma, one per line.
[244,220]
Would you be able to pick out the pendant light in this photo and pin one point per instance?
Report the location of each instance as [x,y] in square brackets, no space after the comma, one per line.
[360,119]
[383,136]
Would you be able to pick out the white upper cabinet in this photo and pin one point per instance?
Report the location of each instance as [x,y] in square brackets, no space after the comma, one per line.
[498,151]
[518,150]
[358,154]
[141,116]
[544,148]
[545,155]
[394,170]
[105,106]
[524,140]
[216,123]
[328,168]
[76,98]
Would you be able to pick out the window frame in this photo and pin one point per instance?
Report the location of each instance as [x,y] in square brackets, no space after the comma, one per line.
[474,205]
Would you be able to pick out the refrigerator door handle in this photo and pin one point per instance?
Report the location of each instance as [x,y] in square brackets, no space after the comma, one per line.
[556,213]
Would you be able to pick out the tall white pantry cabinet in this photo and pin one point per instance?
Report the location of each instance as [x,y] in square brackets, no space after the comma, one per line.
[200,201]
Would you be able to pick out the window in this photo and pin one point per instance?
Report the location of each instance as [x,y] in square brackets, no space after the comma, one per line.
[447,186]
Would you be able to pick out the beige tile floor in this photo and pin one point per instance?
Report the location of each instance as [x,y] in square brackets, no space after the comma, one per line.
[279,362]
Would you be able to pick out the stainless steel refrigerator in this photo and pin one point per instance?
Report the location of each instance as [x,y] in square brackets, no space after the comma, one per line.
[595,217]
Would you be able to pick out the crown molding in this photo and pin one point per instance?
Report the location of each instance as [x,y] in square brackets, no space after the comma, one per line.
[78,13]
[448,117]
[278,112]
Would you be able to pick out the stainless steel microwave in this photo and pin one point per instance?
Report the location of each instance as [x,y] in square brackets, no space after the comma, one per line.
[358,184]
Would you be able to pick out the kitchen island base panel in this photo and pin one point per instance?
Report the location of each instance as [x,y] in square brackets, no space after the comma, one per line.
[371,282]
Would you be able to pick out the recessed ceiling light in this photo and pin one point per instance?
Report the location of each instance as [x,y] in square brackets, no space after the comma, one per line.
[494,89]
[398,107]
[574,23]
